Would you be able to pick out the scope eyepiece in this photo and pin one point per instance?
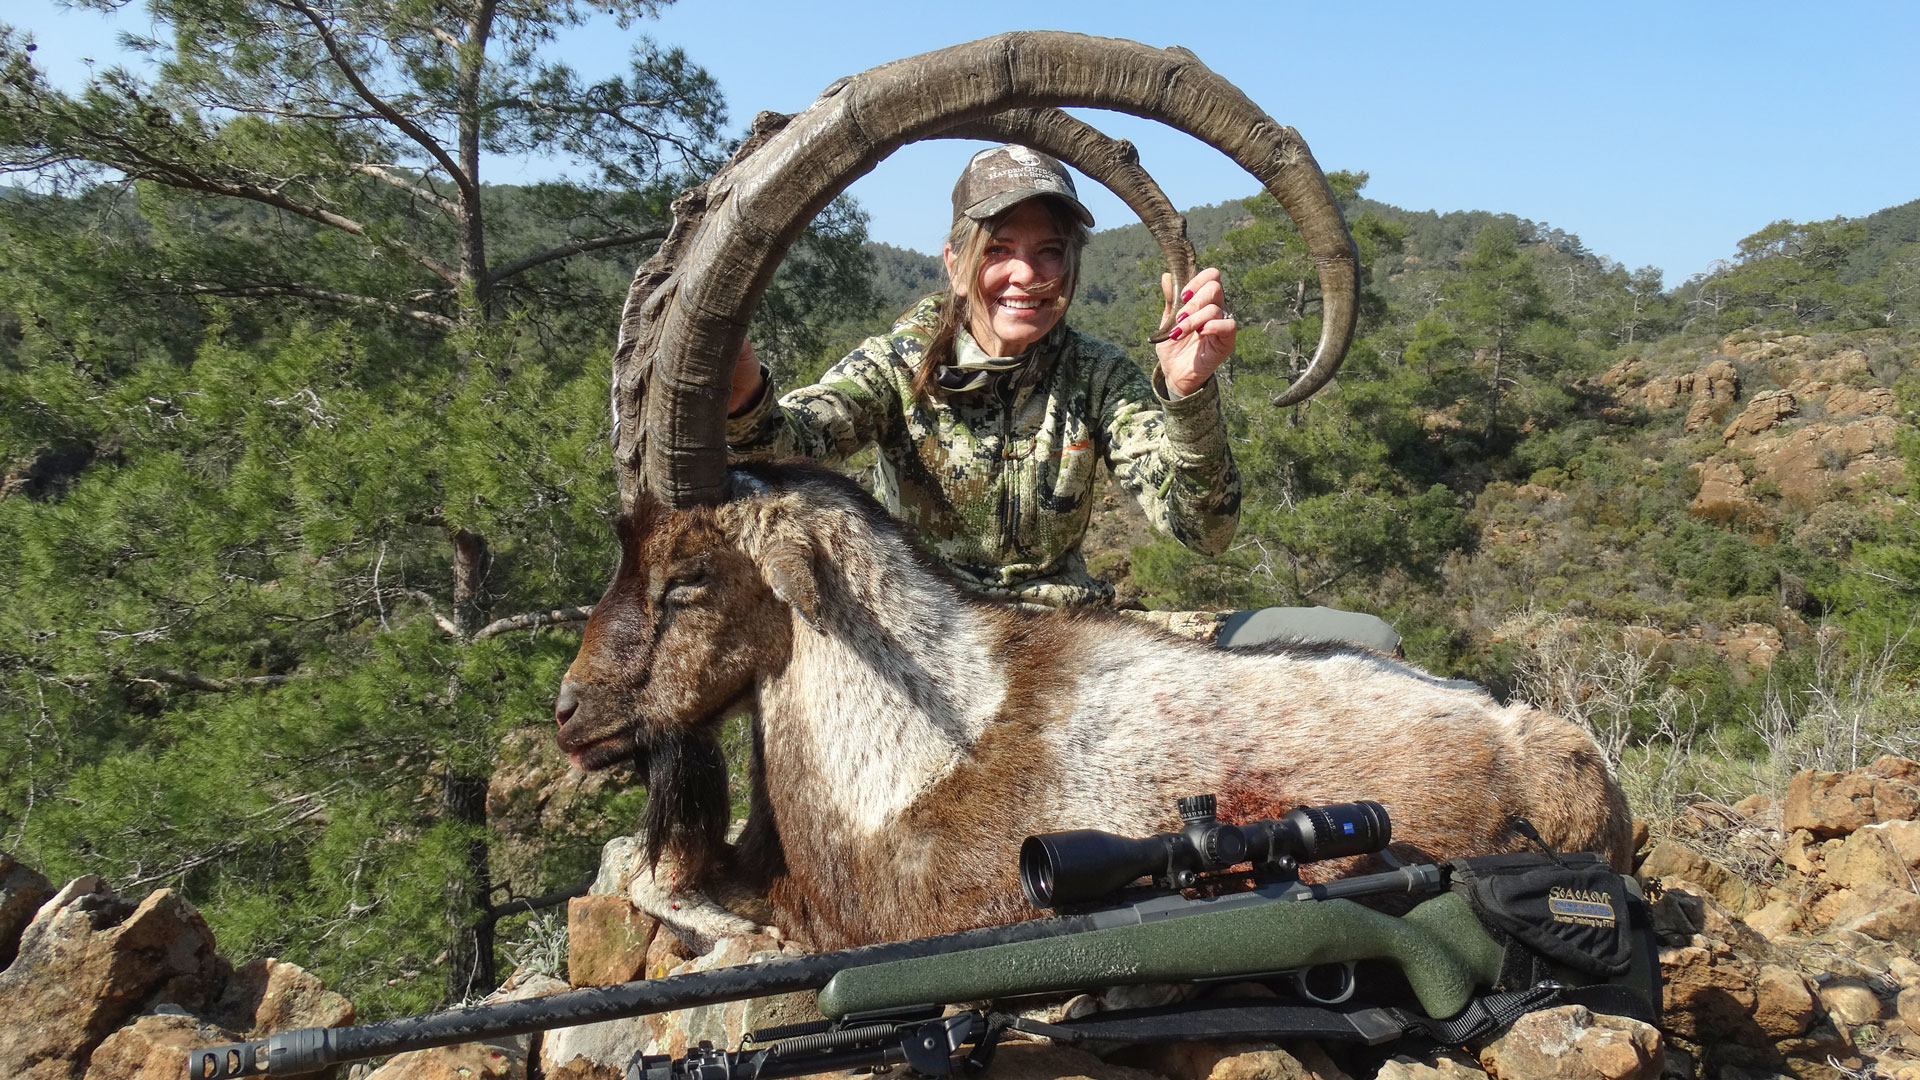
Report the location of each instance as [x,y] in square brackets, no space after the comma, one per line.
[1083,865]
[1318,833]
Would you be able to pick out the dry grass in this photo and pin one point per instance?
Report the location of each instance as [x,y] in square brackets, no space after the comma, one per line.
[1844,717]
[1611,681]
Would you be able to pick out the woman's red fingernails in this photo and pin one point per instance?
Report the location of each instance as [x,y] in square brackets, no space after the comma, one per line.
[1176,332]
[1186,296]
[1182,316]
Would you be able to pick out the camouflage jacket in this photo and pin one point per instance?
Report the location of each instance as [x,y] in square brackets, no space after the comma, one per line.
[999,481]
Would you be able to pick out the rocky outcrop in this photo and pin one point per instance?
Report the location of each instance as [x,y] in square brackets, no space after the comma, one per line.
[103,988]
[22,890]
[1818,423]
[1707,393]
[534,801]
[1762,414]
[1725,495]
[1789,931]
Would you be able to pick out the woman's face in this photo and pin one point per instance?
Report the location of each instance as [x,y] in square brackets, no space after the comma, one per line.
[1014,299]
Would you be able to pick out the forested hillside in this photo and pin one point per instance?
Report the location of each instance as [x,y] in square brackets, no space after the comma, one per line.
[303,431]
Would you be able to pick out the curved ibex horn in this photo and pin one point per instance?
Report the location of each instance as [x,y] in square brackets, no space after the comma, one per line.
[687,311]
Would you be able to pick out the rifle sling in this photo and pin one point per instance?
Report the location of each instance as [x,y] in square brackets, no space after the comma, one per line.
[1227,1019]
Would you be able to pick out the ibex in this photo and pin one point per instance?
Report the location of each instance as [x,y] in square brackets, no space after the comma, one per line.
[909,736]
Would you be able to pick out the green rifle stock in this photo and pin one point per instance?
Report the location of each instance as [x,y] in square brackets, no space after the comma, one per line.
[1439,946]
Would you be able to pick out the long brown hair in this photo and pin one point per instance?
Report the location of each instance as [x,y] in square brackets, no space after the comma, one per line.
[969,240]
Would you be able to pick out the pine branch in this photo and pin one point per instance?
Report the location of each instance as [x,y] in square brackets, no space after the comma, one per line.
[428,317]
[193,680]
[141,165]
[578,247]
[421,137]
[431,198]
[533,620]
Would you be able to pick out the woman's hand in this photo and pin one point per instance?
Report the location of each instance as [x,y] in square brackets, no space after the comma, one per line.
[1202,333]
[746,379]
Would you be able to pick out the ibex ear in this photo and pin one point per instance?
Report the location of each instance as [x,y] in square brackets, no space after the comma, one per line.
[786,556]
[789,571]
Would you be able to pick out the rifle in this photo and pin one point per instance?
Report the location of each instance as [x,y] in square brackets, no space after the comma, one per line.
[883,1002]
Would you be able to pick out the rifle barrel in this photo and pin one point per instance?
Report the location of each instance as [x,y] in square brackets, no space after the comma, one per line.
[311,1049]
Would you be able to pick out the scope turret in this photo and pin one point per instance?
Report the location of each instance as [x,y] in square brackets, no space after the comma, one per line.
[1079,866]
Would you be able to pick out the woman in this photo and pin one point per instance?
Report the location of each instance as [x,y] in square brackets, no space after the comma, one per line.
[991,415]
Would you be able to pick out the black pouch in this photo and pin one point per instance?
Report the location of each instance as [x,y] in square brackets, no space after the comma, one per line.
[1572,909]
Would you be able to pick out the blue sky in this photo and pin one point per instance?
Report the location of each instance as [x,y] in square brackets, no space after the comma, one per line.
[1660,133]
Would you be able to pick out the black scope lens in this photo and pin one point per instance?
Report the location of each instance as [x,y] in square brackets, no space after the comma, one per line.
[1085,864]
[1314,833]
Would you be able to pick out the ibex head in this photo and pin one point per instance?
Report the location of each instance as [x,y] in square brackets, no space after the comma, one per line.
[674,645]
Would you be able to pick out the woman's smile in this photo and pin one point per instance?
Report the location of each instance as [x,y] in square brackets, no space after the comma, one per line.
[1017,294]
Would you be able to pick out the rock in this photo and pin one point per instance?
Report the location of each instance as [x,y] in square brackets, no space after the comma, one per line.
[1877,910]
[1896,921]
[154,1046]
[1784,1004]
[620,859]
[1897,1068]
[1573,1041]
[615,1042]
[1753,644]
[1442,1066]
[1709,992]
[1895,768]
[1873,855]
[86,963]
[1671,859]
[1907,1007]
[1680,912]
[503,1058]
[1724,495]
[1718,381]
[1804,462]
[467,1061]
[1213,1061]
[1762,413]
[267,996]
[1851,1002]
[582,1069]
[1905,972]
[1699,415]
[1830,804]
[607,940]
[1825,1042]
[1849,400]
[1776,919]
[22,890]
[1849,952]
[1803,852]
[1753,805]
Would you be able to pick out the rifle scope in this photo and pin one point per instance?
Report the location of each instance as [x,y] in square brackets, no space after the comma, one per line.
[1083,865]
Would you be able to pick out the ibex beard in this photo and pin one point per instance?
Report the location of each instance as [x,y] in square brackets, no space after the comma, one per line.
[908,736]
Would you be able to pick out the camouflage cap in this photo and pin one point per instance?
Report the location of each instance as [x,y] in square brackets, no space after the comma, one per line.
[1004,176]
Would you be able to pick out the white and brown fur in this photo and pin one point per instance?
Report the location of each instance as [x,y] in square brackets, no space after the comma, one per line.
[909,736]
